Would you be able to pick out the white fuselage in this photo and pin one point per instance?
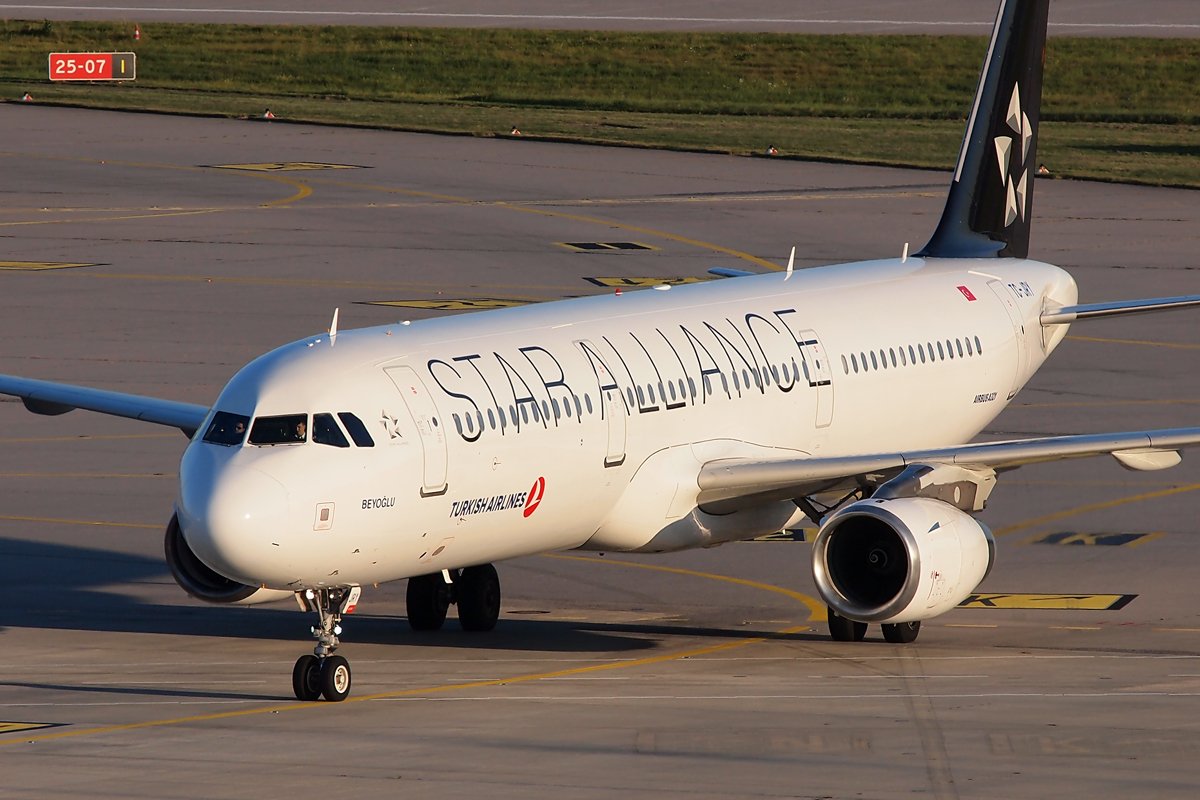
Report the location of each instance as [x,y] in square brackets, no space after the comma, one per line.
[584,423]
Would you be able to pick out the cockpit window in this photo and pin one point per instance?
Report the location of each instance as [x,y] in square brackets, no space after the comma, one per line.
[357,430]
[227,429]
[326,431]
[288,429]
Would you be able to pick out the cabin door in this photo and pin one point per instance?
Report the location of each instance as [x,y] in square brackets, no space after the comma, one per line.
[430,428]
[612,406]
[819,375]
[1014,315]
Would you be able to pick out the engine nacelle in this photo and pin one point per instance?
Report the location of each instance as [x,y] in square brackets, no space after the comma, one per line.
[200,581]
[900,560]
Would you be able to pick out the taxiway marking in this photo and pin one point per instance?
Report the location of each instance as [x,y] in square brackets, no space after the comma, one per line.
[589,668]
[599,19]
[1089,507]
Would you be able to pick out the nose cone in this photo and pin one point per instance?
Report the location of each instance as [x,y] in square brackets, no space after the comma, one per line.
[229,512]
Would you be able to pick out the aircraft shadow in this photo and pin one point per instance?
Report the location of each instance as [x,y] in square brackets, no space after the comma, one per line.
[69,587]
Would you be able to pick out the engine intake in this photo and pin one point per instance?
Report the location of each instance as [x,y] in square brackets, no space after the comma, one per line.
[900,560]
[200,581]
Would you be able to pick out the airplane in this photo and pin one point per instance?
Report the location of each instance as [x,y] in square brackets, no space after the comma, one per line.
[652,421]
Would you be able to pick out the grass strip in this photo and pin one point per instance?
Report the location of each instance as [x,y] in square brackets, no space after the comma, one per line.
[1116,109]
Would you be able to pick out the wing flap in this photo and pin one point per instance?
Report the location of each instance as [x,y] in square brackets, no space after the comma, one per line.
[47,397]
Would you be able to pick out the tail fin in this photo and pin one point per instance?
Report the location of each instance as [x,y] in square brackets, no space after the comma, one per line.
[991,197]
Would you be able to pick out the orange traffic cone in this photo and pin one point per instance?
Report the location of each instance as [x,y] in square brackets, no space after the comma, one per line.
[137,32]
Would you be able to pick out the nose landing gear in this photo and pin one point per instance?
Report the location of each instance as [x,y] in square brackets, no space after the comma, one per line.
[322,673]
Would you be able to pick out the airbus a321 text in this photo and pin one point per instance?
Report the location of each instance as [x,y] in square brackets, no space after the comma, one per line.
[652,422]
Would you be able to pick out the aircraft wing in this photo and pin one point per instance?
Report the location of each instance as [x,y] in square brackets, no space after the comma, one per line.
[728,484]
[46,397]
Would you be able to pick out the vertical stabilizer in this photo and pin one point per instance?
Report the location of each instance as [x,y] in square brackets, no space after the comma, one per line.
[988,210]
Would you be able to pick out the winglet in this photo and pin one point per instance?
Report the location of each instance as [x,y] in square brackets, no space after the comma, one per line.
[988,209]
[333,326]
[791,263]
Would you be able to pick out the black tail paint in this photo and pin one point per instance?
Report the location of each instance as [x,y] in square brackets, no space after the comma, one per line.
[991,197]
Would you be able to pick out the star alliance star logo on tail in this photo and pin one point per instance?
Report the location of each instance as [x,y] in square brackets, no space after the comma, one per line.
[1011,153]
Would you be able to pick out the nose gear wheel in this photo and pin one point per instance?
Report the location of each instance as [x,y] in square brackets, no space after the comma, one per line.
[323,674]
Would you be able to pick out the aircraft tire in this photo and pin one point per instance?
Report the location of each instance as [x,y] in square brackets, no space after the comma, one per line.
[478,590]
[306,678]
[845,630]
[427,600]
[335,679]
[902,632]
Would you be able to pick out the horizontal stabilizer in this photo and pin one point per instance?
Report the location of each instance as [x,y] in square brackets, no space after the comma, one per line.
[1060,316]
[45,397]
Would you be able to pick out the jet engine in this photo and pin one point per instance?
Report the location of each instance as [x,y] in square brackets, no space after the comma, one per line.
[900,560]
[201,582]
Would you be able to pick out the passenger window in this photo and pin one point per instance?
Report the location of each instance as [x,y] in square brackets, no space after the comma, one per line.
[288,429]
[845,365]
[958,345]
[356,429]
[892,354]
[912,355]
[227,429]
[941,353]
[970,352]
[326,431]
[978,346]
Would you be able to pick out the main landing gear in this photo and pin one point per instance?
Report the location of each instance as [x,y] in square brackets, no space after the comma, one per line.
[323,674]
[475,590]
[848,630]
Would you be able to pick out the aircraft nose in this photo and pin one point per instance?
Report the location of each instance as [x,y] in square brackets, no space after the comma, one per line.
[229,517]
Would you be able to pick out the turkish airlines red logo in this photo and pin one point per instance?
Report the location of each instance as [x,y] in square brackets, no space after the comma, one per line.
[967,293]
[534,498]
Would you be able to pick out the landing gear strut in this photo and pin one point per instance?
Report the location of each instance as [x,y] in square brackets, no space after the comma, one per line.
[475,590]
[323,674]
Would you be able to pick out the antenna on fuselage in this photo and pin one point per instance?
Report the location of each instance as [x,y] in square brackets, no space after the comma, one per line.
[333,327]
[791,263]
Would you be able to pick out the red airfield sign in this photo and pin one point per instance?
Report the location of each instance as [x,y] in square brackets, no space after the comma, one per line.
[93,66]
